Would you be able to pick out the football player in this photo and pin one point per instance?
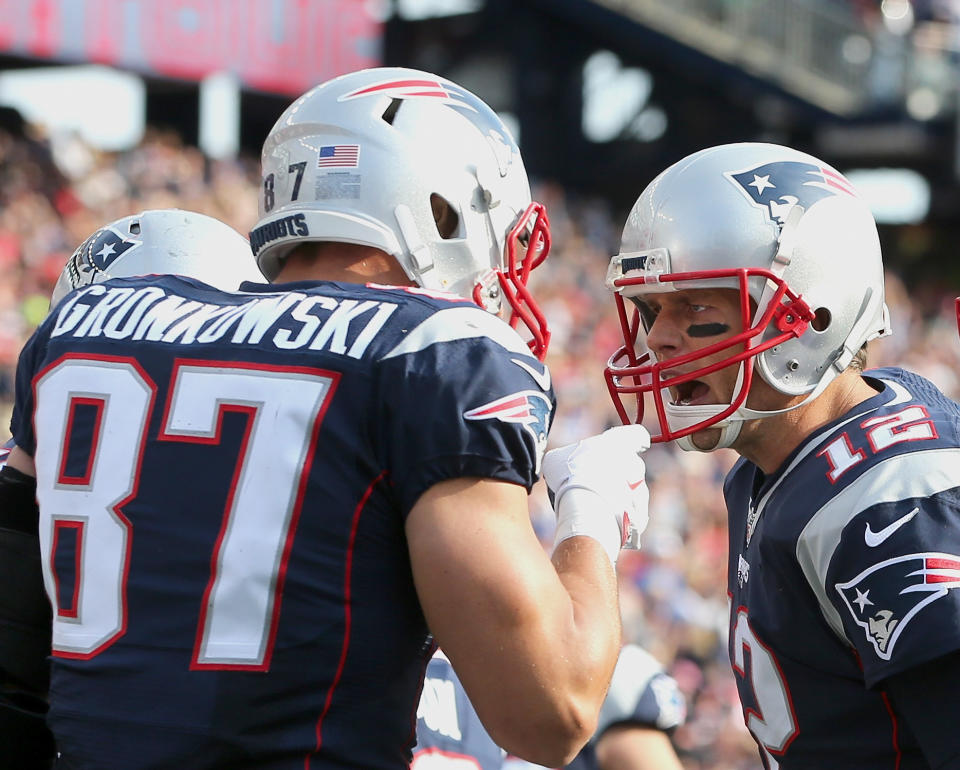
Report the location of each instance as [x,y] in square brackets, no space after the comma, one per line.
[253,505]
[643,707]
[449,732]
[156,241]
[749,282]
[641,710]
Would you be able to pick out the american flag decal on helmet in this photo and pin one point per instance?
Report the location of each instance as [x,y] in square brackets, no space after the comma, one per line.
[884,598]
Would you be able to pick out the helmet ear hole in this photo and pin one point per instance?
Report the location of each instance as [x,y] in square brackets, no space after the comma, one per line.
[445,216]
[821,319]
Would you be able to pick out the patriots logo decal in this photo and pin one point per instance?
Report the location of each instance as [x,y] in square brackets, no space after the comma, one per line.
[528,408]
[96,254]
[444,92]
[778,187]
[409,88]
[886,597]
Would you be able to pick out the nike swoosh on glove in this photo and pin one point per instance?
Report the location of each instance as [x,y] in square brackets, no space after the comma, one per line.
[598,489]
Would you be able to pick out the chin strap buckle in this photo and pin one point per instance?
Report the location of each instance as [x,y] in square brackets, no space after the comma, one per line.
[793,317]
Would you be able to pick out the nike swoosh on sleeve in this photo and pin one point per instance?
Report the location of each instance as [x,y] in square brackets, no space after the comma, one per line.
[873,539]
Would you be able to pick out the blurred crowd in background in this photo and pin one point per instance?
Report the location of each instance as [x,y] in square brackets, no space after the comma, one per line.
[55,191]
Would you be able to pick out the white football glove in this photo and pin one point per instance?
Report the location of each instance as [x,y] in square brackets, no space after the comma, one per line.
[598,489]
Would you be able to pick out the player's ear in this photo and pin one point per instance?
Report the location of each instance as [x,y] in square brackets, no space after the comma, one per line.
[446,217]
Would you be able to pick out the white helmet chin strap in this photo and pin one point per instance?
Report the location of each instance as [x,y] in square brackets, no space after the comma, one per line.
[679,417]
[729,430]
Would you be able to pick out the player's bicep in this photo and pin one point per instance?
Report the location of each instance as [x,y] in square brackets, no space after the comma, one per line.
[476,559]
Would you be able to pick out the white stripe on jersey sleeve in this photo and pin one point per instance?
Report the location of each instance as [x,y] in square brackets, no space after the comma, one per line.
[461,323]
[918,474]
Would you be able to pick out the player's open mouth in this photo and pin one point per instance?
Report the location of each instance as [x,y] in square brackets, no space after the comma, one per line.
[692,392]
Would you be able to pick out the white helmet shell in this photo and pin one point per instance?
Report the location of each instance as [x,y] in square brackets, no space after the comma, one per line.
[358,158]
[791,221]
[161,241]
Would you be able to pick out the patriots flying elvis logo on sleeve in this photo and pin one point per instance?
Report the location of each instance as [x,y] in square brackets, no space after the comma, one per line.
[886,597]
[528,408]
[778,187]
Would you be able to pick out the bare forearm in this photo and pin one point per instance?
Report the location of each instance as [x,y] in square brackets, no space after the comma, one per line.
[594,633]
[574,637]
[533,643]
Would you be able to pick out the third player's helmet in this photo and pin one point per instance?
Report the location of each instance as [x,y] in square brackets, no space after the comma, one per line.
[376,156]
[787,231]
[161,241]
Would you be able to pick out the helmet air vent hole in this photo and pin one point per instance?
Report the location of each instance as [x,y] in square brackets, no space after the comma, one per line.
[821,319]
[135,227]
[390,113]
[445,216]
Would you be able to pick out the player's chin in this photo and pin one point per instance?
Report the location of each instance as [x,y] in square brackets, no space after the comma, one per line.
[707,439]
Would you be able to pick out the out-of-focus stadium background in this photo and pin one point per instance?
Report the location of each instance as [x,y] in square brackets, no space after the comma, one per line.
[108,107]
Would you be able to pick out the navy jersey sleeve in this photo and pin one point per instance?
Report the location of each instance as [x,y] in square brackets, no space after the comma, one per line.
[895,580]
[886,546]
[462,396]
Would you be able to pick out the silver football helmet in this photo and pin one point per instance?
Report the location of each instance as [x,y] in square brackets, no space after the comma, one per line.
[161,241]
[372,157]
[786,230]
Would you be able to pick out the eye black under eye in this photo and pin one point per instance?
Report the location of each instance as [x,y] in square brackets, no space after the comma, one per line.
[707,330]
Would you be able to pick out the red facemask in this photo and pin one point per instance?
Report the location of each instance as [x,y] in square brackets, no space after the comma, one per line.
[534,227]
[630,374]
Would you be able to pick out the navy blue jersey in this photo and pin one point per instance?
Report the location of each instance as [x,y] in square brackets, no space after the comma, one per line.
[842,573]
[223,482]
[450,735]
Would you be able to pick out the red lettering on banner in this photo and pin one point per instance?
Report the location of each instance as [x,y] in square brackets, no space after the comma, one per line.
[271,63]
[313,44]
[285,46]
[7,33]
[360,40]
[42,41]
[186,38]
[103,30]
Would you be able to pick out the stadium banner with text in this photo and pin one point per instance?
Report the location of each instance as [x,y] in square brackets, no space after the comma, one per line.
[283,46]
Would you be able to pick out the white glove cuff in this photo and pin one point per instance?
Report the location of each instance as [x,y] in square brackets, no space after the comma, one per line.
[582,511]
